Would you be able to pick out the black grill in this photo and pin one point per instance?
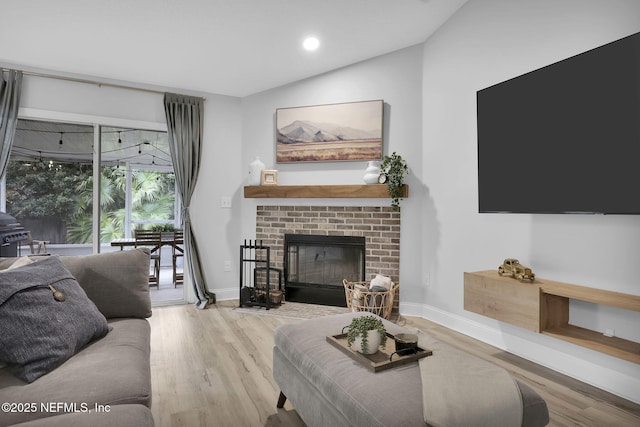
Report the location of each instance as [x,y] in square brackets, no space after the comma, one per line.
[11,232]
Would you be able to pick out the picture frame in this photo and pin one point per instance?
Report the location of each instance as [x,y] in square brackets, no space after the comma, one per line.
[350,131]
[269,177]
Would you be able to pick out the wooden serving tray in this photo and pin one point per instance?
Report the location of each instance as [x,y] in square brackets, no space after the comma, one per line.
[379,361]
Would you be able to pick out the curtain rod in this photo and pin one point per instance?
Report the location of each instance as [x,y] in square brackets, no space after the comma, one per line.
[91,82]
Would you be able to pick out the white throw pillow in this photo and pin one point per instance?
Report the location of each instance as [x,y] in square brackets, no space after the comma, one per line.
[381,281]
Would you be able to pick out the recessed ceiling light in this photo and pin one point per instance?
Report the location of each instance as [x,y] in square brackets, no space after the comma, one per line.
[311,43]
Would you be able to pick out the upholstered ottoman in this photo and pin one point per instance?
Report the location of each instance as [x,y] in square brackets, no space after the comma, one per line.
[327,387]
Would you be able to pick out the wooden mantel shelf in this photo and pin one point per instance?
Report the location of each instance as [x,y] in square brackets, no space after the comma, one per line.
[320,191]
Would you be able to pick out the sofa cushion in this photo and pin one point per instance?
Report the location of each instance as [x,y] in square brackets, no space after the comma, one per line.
[117,282]
[112,371]
[38,329]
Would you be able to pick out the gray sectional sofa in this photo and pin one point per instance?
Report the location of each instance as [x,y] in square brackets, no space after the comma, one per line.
[106,382]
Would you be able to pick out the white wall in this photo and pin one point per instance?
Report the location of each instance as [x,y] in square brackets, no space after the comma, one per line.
[486,42]
[396,79]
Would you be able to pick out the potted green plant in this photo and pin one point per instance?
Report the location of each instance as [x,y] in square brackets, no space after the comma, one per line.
[394,168]
[366,334]
[163,227]
[166,230]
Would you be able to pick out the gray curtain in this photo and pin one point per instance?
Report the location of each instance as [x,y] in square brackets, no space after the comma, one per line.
[184,122]
[10,89]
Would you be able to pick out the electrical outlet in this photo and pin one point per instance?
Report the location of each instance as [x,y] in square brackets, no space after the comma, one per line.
[225,202]
[227,266]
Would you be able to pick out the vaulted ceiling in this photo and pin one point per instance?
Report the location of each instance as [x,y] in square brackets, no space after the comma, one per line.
[229,47]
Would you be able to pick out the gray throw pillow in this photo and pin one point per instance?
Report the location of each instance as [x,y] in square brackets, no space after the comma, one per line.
[38,331]
[377,300]
[117,282]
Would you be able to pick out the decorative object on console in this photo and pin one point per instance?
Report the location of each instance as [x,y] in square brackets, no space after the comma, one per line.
[269,177]
[513,267]
[366,334]
[333,132]
[255,170]
[394,168]
[372,173]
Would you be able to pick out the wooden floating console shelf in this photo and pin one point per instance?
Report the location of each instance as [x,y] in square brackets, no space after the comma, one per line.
[543,306]
[320,191]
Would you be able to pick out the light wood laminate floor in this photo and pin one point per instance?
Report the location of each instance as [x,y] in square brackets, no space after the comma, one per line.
[213,368]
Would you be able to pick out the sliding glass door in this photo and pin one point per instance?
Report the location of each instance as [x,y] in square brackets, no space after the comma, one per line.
[77,188]
[138,185]
[49,186]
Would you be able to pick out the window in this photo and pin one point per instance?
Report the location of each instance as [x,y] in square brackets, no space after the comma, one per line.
[138,184]
[50,191]
[46,180]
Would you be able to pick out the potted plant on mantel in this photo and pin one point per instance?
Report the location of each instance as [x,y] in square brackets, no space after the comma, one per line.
[394,168]
[366,334]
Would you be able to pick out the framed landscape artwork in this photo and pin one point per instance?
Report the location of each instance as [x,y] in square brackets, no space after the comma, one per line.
[332,132]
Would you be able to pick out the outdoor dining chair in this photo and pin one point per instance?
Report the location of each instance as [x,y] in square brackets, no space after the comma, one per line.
[153,241]
[177,252]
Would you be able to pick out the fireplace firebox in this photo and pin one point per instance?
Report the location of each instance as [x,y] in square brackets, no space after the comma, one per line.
[314,267]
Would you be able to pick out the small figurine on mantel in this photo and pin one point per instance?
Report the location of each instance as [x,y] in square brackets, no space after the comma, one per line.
[513,267]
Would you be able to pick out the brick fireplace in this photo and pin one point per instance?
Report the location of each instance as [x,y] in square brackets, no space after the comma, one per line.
[380,227]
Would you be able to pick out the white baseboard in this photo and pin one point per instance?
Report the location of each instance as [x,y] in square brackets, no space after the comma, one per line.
[614,375]
[225,294]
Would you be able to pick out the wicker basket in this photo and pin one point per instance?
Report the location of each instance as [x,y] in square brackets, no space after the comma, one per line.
[359,298]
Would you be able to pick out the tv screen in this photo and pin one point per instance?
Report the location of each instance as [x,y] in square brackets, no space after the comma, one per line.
[564,138]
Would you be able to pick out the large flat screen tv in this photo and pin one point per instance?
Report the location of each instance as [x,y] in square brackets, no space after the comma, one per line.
[564,138]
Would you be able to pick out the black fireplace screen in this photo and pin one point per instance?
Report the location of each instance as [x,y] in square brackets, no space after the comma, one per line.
[316,265]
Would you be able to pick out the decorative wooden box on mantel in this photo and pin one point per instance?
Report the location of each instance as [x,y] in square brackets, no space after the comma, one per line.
[543,306]
[320,191]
